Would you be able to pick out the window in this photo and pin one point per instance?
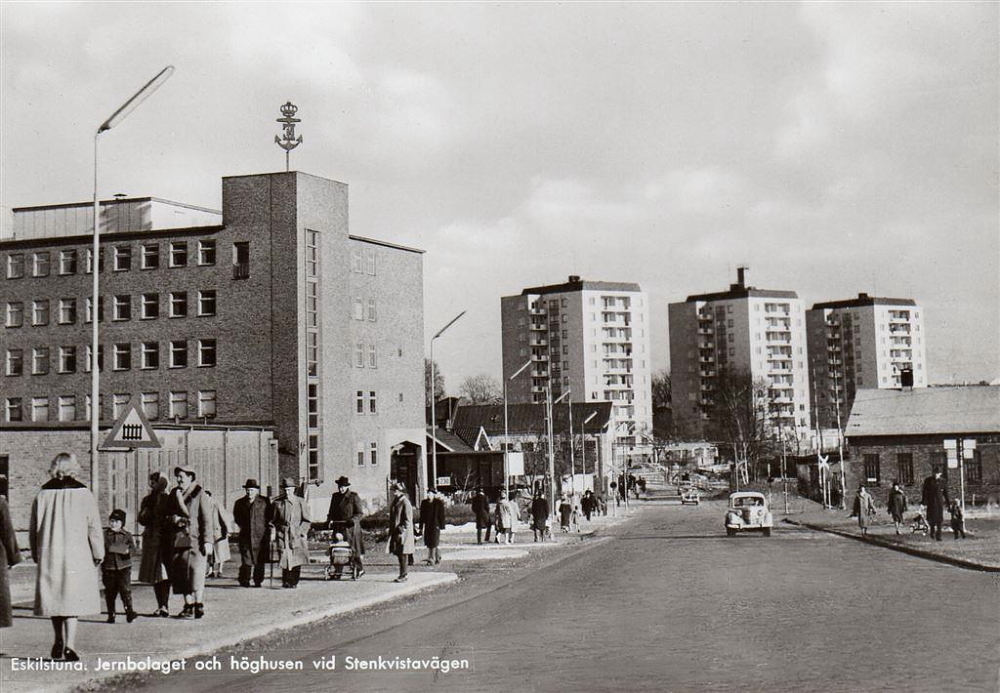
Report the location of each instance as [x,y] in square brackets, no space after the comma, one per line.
[360,402]
[86,406]
[359,308]
[206,404]
[121,357]
[67,408]
[151,405]
[87,359]
[40,360]
[372,314]
[118,402]
[15,266]
[88,312]
[370,262]
[312,304]
[313,405]
[67,359]
[150,307]
[150,256]
[122,258]
[373,453]
[312,353]
[178,405]
[312,253]
[121,307]
[241,260]
[206,303]
[359,355]
[973,468]
[873,471]
[372,356]
[40,265]
[206,252]
[357,261]
[67,311]
[150,355]
[313,457]
[15,314]
[15,362]
[89,260]
[206,352]
[67,262]
[904,467]
[15,409]
[178,304]
[178,354]
[39,408]
[178,254]
[40,312]
[372,409]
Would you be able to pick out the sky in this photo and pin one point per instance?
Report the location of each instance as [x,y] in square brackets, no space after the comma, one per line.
[835,148]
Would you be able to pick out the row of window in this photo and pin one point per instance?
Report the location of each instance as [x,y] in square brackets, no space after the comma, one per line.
[147,258]
[904,467]
[66,357]
[205,303]
[65,408]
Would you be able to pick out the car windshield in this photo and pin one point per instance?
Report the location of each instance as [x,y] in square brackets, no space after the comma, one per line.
[747,502]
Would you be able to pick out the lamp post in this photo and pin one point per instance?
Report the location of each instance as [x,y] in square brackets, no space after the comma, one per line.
[95,265]
[583,446]
[434,451]
[506,444]
[572,468]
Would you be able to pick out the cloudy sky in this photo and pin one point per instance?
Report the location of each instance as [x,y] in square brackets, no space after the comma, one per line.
[835,148]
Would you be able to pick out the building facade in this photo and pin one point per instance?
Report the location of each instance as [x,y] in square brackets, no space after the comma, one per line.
[268,314]
[862,343]
[744,329]
[590,339]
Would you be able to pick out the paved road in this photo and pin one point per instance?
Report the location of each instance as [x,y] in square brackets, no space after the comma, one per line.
[671,604]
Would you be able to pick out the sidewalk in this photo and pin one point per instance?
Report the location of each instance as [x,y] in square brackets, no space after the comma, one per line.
[980,551]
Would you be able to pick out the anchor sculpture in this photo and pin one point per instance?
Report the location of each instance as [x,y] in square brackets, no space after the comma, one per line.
[288,141]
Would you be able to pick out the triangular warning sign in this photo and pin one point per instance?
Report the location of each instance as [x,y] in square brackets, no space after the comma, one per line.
[132,430]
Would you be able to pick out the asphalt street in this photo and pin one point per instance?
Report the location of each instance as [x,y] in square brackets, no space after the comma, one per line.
[669,603]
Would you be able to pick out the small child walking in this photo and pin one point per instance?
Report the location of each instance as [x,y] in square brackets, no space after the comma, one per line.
[957,519]
[116,570]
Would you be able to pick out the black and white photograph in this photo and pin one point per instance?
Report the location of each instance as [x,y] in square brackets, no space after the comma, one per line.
[512,346]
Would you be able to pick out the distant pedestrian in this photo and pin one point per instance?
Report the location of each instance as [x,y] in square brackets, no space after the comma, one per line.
[401,529]
[224,525]
[344,515]
[957,519]
[251,514]
[615,493]
[539,516]
[290,519]
[897,505]
[10,555]
[191,541]
[587,503]
[481,508]
[864,504]
[431,522]
[507,515]
[935,499]
[155,546]
[116,570]
[67,545]
[565,514]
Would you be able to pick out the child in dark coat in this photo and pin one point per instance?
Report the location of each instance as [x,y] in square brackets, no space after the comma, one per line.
[957,519]
[116,570]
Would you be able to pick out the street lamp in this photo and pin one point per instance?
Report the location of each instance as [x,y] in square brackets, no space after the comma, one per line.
[506,444]
[572,465]
[434,451]
[583,448]
[95,377]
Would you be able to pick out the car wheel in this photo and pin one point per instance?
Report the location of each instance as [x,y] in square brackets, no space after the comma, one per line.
[767,531]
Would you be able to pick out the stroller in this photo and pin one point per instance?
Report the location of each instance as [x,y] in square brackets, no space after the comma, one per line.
[341,555]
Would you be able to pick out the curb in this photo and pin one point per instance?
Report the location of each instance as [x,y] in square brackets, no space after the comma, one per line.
[919,553]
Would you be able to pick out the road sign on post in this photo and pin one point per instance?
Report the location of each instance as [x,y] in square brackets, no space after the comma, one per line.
[131,430]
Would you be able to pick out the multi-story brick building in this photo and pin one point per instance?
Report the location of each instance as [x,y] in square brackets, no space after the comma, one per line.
[269,314]
[862,343]
[744,329]
[590,338]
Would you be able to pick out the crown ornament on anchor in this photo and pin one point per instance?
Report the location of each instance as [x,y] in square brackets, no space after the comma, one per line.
[288,141]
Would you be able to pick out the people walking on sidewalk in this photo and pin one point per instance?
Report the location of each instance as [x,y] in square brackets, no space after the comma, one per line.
[539,515]
[10,555]
[935,499]
[565,513]
[251,514]
[864,506]
[588,503]
[153,563]
[481,507]
[401,529]
[290,519]
[957,519]
[506,515]
[116,570]
[431,522]
[897,505]
[345,516]
[191,541]
[224,524]
[67,545]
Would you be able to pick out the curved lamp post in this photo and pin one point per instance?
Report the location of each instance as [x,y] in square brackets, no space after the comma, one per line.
[434,450]
[506,434]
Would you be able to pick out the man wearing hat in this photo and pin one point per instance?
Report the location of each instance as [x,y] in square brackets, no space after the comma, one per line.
[191,537]
[290,519]
[251,514]
[345,516]
[401,529]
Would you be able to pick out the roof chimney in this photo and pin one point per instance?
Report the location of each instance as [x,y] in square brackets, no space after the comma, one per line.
[741,276]
[574,278]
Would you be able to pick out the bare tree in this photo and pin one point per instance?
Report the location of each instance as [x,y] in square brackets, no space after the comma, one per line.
[663,421]
[739,413]
[481,389]
[438,383]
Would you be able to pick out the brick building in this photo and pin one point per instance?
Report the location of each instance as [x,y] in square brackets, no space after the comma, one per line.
[270,314]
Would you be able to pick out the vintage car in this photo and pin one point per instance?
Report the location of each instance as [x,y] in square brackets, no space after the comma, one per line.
[748,511]
[690,496]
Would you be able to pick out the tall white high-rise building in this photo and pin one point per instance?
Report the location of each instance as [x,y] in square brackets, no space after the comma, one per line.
[588,337]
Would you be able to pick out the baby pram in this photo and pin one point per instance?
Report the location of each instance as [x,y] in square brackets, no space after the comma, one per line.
[341,555]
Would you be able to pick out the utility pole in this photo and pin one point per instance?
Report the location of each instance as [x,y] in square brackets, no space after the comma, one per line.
[840,428]
[552,460]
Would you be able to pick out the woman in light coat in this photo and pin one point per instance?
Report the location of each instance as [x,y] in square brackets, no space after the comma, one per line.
[67,544]
[153,566]
[865,506]
[507,515]
[224,525]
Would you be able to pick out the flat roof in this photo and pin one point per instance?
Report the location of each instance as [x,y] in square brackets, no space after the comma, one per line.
[865,300]
[387,244]
[582,285]
[736,292]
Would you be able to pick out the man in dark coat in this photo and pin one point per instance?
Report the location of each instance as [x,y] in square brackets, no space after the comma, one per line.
[251,513]
[935,498]
[345,516]
[401,529]
[539,515]
[431,522]
[481,507]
